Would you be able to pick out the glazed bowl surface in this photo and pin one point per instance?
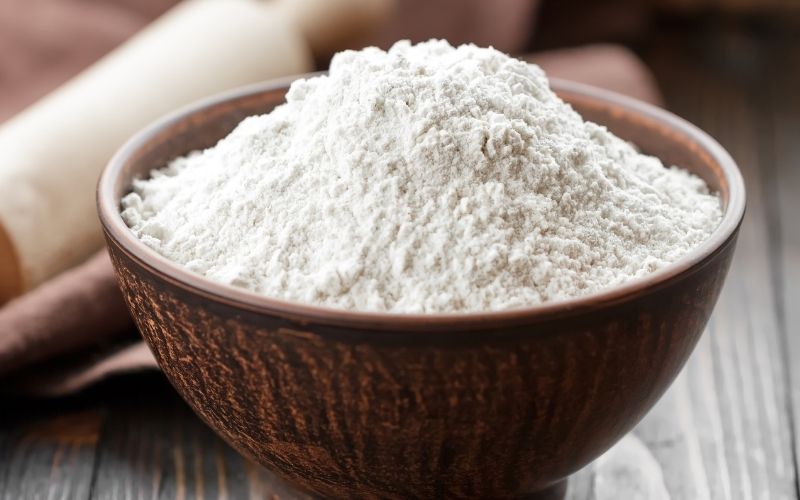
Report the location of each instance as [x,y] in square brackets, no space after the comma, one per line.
[484,405]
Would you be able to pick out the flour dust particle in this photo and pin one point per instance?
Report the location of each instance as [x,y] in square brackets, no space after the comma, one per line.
[423,179]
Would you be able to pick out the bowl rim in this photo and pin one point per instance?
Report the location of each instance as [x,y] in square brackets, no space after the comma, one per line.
[118,232]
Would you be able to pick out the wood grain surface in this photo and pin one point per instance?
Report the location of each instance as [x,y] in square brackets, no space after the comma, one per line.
[725,430]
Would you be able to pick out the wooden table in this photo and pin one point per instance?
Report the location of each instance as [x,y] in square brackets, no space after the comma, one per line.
[726,429]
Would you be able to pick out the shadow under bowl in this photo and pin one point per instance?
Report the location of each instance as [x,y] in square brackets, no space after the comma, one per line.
[491,405]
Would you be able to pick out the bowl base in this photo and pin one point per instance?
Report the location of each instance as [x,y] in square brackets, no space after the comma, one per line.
[557,491]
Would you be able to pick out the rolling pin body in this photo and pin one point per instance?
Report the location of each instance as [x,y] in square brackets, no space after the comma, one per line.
[52,154]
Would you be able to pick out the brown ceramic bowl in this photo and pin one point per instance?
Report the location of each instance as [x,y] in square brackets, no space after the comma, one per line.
[491,405]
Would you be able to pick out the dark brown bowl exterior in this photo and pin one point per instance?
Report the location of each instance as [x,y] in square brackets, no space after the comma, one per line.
[372,406]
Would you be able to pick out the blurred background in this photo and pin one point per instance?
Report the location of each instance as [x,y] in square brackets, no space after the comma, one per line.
[85,412]
[45,42]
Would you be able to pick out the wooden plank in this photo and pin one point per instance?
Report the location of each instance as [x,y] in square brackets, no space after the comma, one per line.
[154,447]
[723,430]
[781,141]
[133,439]
[49,457]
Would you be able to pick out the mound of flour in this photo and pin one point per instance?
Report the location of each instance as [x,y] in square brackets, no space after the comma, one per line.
[423,179]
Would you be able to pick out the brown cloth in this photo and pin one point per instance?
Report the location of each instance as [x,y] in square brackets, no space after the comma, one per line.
[78,309]
[64,378]
[612,67]
[80,316]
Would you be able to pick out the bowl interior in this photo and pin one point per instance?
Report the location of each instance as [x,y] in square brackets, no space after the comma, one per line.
[201,125]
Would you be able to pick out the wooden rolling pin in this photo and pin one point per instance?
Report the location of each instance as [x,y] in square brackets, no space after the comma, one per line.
[52,154]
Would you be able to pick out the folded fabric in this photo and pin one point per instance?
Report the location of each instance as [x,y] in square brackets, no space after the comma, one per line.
[78,309]
[609,66]
[66,376]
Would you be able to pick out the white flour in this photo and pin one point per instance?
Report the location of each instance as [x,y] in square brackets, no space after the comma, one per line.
[422,179]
